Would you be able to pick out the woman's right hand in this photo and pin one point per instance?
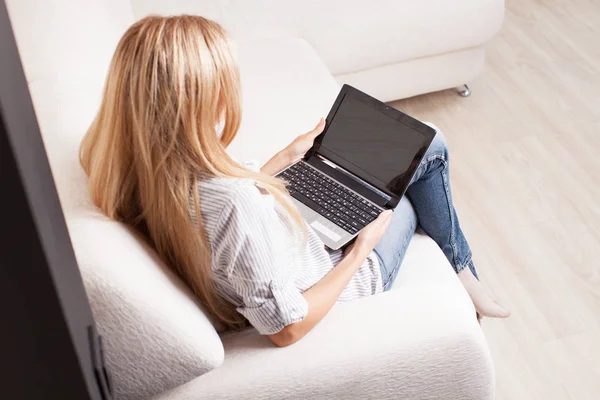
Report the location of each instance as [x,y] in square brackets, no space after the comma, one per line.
[368,238]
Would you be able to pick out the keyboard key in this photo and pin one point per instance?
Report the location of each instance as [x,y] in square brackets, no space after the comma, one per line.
[350,228]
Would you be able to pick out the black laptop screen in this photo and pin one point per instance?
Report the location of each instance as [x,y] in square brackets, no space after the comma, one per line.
[372,145]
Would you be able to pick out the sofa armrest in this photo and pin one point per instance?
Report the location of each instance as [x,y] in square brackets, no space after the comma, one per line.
[414,341]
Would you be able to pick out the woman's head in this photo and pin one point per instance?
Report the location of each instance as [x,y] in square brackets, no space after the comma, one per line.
[171,82]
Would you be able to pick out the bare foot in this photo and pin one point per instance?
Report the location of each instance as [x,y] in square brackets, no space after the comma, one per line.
[484,305]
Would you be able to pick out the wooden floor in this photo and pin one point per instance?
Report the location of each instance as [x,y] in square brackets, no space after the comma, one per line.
[525,167]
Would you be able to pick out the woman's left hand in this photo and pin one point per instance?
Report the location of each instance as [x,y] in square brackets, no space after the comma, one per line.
[294,151]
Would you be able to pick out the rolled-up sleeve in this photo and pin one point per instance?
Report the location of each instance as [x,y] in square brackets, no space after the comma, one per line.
[276,308]
[260,264]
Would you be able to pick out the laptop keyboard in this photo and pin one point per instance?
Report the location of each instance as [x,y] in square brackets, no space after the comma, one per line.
[330,199]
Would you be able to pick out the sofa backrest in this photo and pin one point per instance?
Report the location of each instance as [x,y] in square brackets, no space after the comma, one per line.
[155,335]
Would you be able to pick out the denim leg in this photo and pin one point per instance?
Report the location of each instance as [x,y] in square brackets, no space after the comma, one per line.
[431,197]
[392,246]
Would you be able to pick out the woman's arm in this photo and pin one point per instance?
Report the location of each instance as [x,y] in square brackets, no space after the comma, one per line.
[293,152]
[323,295]
[277,163]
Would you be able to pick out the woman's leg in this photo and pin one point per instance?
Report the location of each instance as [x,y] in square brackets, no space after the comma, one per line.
[431,197]
[392,246]
[429,191]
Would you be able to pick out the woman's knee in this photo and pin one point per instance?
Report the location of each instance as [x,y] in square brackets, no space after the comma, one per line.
[407,211]
[439,145]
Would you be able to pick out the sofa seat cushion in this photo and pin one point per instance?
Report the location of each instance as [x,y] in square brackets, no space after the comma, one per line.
[419,339]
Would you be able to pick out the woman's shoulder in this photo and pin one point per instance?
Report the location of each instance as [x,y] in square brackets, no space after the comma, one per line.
[235,209]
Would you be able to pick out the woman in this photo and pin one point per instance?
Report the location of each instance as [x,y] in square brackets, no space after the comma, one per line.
[156,160]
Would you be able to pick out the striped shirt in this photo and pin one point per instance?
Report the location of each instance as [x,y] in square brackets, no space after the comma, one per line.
[260,264]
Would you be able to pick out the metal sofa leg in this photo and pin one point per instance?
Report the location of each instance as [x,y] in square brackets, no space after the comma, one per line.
[463,91]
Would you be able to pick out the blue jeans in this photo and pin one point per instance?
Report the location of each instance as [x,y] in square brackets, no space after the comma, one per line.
[428,203]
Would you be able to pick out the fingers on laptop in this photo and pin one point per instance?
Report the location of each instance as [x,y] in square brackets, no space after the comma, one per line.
[318,129]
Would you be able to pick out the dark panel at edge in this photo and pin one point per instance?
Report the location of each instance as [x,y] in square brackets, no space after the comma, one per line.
[44,308]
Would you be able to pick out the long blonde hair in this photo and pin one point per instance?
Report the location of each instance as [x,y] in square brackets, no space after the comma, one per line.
[170,81]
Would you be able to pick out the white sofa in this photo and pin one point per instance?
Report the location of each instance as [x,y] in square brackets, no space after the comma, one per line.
[419,341]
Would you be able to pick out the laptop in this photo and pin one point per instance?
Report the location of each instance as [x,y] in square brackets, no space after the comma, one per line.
[358,167]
